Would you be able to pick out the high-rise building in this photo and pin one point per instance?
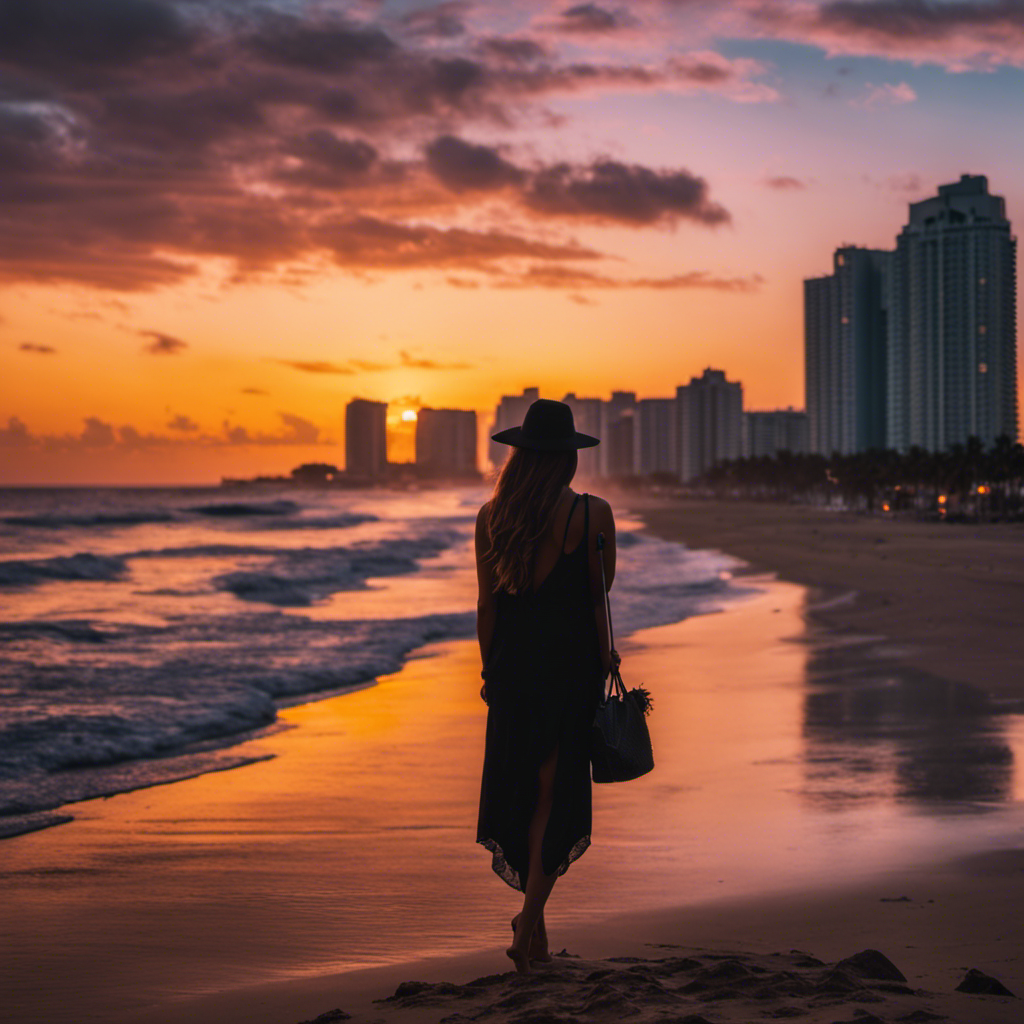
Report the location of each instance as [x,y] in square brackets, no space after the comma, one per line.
[615,453]
[780,430]
[654,436]
[845,335]
[586,414]
[366,448]
[446,442]
[952,353]
[710,411]
[509,412]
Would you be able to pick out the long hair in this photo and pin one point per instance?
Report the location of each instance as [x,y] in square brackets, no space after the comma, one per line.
[525,494]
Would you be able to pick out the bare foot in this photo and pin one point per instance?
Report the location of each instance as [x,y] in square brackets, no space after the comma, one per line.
[538,942]
[519,958]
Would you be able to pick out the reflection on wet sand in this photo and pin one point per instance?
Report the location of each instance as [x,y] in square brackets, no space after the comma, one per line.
[875,730]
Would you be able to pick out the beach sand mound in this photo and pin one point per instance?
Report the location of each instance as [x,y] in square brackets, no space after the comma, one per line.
[701,987]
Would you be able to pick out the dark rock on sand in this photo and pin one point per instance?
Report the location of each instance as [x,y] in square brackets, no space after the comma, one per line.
[839,981]
[330,1017]
[920,1017]
[869,963]
[978,983]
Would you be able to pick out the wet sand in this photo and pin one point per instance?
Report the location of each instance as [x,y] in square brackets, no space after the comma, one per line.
[946,597]
[345,865]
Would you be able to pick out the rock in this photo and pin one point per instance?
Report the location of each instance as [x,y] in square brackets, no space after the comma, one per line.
[839,981]
[980,984]
[895,899]
[869,963]
[330,1017]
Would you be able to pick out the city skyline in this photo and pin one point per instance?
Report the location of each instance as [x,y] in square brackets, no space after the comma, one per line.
[223,227]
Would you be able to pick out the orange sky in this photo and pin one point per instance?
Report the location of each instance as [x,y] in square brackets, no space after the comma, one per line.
[221,231]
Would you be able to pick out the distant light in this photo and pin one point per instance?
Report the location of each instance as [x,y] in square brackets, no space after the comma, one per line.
[982,489]
[409,416]
[885,508]
[942,499]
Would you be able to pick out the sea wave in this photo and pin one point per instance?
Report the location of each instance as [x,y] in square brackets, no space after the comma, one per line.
[73,630]
[59,520]
[159,691]
[300,577]
[27,572]
[231,509]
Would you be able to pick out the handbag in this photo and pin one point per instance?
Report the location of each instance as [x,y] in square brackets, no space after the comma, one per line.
[620,745]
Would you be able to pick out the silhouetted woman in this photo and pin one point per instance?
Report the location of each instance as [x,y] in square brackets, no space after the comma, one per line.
[544,644]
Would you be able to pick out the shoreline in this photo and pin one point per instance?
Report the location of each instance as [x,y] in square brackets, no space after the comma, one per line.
[941,598]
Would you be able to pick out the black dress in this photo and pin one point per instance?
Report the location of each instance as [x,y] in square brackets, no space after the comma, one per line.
[543,683]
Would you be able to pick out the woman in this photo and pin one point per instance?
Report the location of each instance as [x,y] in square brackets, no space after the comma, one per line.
[544,644]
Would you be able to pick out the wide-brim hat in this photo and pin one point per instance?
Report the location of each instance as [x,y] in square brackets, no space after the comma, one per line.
[547,427]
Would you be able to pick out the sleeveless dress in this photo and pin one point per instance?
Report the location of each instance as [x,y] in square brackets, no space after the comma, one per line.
[543,683]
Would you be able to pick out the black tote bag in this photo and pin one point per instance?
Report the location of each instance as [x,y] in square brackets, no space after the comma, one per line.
[620,744]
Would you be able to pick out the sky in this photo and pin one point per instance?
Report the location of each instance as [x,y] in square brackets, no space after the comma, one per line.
[222,220]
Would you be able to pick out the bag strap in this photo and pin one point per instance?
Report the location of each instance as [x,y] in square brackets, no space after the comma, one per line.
[616,687]
[604,589]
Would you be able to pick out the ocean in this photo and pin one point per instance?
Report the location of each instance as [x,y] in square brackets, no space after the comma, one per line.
[146,632]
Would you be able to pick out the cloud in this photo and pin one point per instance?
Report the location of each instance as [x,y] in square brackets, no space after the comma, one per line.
[957,34]
[315,366]
[369,366]
[299,430]
[99,434]
[368,242]
[441,21]
[28,346]
[590,19]
[609,190]
[545,276]
[91,33]
[887,95]
[15,434]
[182,423]
[462,166]
[513,49]
[417,363]
[785,183]
[96,433]
[603,190]
[163,344]
[141,138]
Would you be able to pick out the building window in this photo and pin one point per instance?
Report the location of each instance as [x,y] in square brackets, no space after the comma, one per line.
[982,329]
[982,367]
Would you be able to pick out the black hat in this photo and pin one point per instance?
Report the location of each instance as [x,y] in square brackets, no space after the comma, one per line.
[547,427]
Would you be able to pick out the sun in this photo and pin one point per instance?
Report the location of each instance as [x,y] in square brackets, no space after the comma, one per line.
[409,416]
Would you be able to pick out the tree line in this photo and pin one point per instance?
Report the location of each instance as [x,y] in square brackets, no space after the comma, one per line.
[966,479]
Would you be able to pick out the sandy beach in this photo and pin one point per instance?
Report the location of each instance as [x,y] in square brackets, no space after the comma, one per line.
[946,597]
[819,792]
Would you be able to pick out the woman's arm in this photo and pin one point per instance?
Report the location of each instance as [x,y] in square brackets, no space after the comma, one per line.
[601,521]
[486,609]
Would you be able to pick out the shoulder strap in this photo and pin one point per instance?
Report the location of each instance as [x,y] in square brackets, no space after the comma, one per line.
[604,590]
[565,536]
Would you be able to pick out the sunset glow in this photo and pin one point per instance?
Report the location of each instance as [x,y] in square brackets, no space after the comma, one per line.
[223,222]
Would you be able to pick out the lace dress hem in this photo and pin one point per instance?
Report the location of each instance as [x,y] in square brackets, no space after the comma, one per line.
[510,876]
